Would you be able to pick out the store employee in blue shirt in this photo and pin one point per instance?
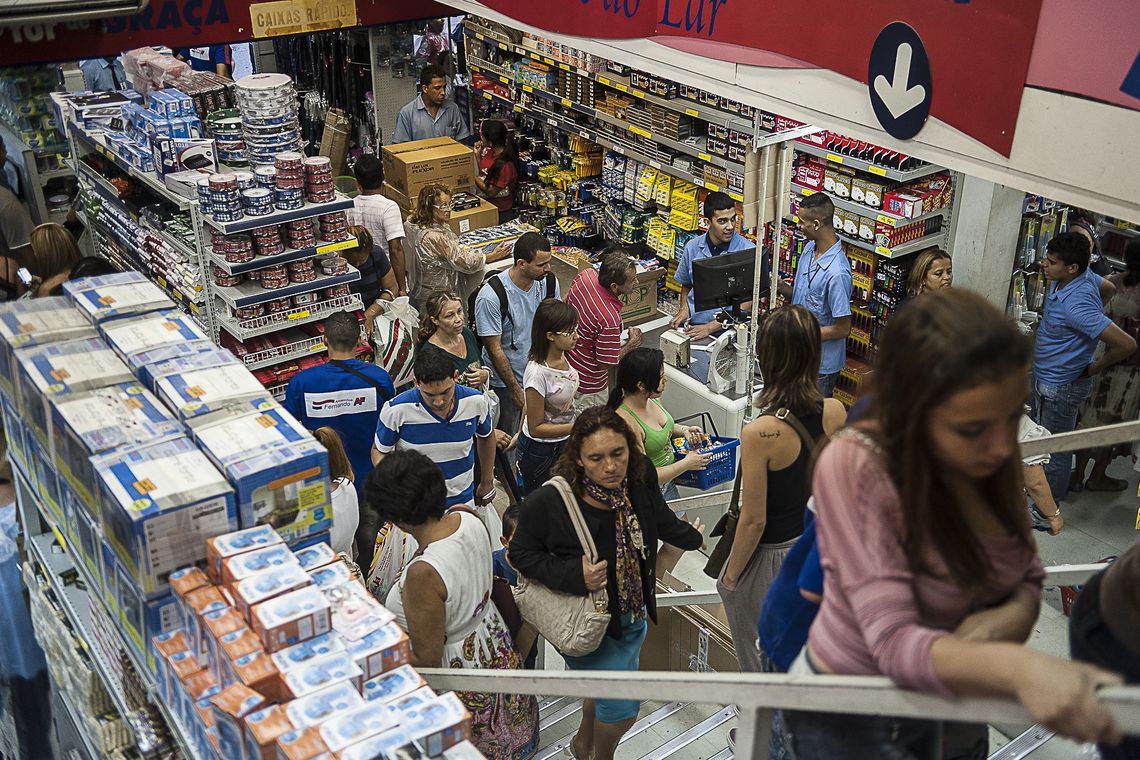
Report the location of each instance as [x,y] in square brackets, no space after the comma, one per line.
[720,211]
[431,114]
[345,394]
[1063,366]
[823,285]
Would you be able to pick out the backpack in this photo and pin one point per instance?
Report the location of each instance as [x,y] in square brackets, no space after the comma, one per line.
[496,284]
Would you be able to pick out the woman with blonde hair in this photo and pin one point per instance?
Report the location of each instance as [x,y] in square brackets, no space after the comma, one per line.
[54,253]
[345,503]
[443,323]
[932,270]
[438,260]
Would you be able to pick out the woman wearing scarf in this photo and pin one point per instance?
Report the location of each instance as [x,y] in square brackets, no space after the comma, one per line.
[621,502]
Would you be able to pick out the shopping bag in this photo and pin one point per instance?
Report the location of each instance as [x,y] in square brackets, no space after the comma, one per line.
[394,339]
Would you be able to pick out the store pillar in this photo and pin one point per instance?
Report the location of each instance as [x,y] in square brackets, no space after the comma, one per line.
[983,237]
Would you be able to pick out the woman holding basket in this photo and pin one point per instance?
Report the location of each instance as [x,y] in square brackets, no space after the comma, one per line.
[614,488]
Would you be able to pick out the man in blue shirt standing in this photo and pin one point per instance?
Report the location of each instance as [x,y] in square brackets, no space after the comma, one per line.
[345,394]
[1063,366]
[430,114]
[823,286]
[720,211]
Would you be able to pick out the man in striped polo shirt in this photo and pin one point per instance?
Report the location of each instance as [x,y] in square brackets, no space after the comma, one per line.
[596,295]
[444,421]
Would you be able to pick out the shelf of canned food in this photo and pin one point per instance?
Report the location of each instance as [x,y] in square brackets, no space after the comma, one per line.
[288,255]
[245,297]
[304,346]
[334,299]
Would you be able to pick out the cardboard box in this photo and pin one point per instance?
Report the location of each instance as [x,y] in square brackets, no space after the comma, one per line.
[486,214]
[291,618]
[298,655]
[412,701]
[334,139]
[216,624]
[262,728]
[114,296]
[277,468]
[315,556]
[438,724]
[409,166]
[302,744]
[36,322]
[131,337]
[233,646]
[348,728]
[320,672]
[393,685]
[319,706]
[256,671]
[194,606]
[263,586]
[640,305]
[142,616]
[159,504]
[182,583]
[386,744]
[381,650]
[231,705]
[241,566]
[231,544]
[205,382]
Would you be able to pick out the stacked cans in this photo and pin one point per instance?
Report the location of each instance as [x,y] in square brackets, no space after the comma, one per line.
[225,127]
[267,240]
[235,249]
[334,226]
[266,176]
[274,277]
[224,198]
[278,305]
[289,182]
[337,291]
[257,201]
[333,266]
[301,233]
[203,186]
[319,179]
[225,279]
[268,106]
[306,299]
[301,272]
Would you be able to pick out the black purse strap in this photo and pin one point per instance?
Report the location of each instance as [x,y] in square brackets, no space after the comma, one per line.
[783,415]
[343,365]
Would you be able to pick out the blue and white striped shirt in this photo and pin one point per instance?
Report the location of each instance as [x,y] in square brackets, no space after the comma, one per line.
[406,422]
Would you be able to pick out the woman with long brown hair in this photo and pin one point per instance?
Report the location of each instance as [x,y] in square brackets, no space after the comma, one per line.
[617,492]
[932,270]
[443,324]
[345,504]
[438,258]
[775,477]
[931,576]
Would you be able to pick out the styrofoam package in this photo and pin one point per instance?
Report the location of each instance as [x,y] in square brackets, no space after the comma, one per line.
[291,618]
[202,383]
[160,502]
[239,542]
[393,684]
[320,672]
[113,296]
[279,471]
[348,728]
[299,654]
[36,322]
[315,708]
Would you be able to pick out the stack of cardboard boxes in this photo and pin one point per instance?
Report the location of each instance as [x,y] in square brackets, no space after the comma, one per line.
[411,166]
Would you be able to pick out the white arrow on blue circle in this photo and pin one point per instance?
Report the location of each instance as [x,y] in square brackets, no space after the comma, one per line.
[896,95]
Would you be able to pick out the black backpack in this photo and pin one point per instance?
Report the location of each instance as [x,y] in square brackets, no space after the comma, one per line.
[496,284]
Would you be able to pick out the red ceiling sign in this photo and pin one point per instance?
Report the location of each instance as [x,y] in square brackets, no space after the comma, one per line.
[979,50]
[176,23]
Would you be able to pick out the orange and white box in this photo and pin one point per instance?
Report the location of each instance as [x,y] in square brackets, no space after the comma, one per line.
[438,724]
[291,618]
[262,729]
[348,728]
[263,586]
[384,649]
[319,673]
[238,542]
[301,744]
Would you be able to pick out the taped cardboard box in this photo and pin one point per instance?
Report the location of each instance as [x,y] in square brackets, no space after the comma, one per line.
[640,304]
[334,138]
[410,166]
[692,637]
[36,322]
[113,296]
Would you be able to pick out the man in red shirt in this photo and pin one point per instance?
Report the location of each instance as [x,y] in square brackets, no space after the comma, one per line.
[596,295]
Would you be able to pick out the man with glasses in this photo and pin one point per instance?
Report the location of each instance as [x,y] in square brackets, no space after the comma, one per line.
[596,295]
[430,114]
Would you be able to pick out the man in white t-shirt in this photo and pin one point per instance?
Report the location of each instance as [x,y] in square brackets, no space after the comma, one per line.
[379,214]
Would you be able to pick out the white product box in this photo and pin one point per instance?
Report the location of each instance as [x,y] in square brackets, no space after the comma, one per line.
[393,684]
[228,545]
[138,335]
[241,566]
[320,672]
[114,296]
[160,502]
[36,322]
[331,575]
[384,649]
[385,744]
[291,619]
[316,708]
[263,586]
[408,702]
[297,655]
[315,556]
[439,724]
[348,728]
[202,383]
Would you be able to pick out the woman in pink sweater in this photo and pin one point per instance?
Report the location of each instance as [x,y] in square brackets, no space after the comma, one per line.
[931,576]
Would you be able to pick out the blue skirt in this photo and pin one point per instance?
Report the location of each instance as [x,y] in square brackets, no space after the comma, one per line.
[623,653]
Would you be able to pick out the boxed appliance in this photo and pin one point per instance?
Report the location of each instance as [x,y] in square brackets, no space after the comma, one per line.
[409,166]
[179,154]
[202,383]
[131,337]
[279,471]
[299,654]
[318,673]
[438,724]
[114,296]
[241,566]
[314,709]
[142,616]
[160,502]
[395,742]
[36,322]
[230,544]
[263,586]
[291,618]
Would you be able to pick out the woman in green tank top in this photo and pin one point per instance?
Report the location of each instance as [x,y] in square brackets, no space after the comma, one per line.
[639,384]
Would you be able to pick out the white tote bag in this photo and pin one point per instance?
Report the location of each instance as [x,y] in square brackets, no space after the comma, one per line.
[394,339]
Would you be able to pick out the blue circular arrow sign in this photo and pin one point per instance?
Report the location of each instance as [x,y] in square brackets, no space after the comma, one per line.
[898,77]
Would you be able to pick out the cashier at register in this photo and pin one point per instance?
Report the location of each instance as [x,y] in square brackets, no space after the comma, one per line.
[720,210]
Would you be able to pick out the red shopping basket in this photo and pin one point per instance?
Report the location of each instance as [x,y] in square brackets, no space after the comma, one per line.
[722,458]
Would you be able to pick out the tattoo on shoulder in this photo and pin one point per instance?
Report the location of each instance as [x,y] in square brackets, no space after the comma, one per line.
[767,434]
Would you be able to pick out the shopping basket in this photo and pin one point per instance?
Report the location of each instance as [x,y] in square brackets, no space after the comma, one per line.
[722,457]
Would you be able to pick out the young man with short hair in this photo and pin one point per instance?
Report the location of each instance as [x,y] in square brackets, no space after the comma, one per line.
[430,114]
[380,215]
[344,394]
[506,335]
[596,296]
[823,286]
[1063,366]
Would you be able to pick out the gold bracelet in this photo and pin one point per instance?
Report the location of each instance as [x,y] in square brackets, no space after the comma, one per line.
[1056,514]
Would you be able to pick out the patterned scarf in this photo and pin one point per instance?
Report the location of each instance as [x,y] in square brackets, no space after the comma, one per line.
[630,545]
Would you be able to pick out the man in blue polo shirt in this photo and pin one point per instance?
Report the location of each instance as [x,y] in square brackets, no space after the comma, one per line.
[1063,366]
[823,286]
[720,211]
[444,421]
[344,394]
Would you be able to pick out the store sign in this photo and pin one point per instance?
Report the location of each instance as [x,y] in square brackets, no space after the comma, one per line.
[978,49]
[194,23]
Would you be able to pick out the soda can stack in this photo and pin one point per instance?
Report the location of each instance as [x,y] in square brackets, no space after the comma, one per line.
[267,240]
[224,198]
[257,201]
[226,128]
[301,233]
[235,249]
[302,271]
[334,226]
[269,121]
[319,179]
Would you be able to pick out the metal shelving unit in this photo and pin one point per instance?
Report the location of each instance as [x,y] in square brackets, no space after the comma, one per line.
[247,223]
[887,218]
[251,328]
[250,293]
[298,349]
[290,254]
[867,166]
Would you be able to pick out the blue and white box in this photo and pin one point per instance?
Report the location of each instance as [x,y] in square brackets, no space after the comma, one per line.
[36,322]
[131,337]
[114,296]
[316,708]
[202,383]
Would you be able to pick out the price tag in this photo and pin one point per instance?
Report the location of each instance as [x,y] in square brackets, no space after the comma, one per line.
[736,197]
[566,102]
[619,149]
[655,164]
[161,281]
[704,156]
[479,36]
[639,131]
[834,158]
[564,66]
[502,46]
[806,191]
[603,80]
[886,220]
[712,186]
[882,250]
[621,87]
[504,80]
[584,135]
[552,122]
[637,93]
[692,112]
[300,315]
[527,88]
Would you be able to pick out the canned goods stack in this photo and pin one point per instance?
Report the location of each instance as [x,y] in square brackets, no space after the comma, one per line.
[289,182]
[334,226]
[257,201]
[204,195]
[303,271]
[301,233]
[274,277]
[337,291]
[266,176]
[268,105]
[225,279]
[278,305]
[225,127]
[235,249]
[319,179]
[267,240]
[224,198]
[306,299]
[333,266]
[248,312]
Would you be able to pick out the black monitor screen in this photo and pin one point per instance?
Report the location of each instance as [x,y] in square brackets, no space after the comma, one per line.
[720,282]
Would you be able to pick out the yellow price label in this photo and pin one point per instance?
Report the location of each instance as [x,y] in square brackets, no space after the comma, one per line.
[487,95]
[736,197]
[704,156]
[882,250]
[266,421]
[877,170]
[1138,519]
[527,88]
[145,486]
[639,131]
[886,220]
[566,102]
[806,191]
[712,186]
[692,112]
[300,314]
[834,158]
[603,80]
[479,36]
[564,66]
[504,80]
[621,87]
[637,93]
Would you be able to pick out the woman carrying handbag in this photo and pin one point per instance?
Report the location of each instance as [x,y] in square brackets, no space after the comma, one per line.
[615,490]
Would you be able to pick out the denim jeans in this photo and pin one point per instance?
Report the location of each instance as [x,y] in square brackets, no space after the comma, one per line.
[827,384]
[536,458]
[1055,408]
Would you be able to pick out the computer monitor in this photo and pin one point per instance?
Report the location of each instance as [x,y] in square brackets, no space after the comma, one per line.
[726,281]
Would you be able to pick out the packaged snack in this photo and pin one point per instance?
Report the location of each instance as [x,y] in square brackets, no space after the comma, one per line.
[321,705]
[382,650]
[291,618]
[319,673]
[393,684]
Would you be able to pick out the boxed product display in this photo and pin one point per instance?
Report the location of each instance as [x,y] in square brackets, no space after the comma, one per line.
[381,650]
[241,566]
[202,383]
[222,547]
[291,618]
[409,166]
[134,336]
[393,685]
[36,322]
[116,295]
[160,502]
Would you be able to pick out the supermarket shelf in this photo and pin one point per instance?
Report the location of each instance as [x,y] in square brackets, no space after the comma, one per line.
[177,292]
[292,254]
[892,220]
[279,217]
[775,138]
[504,75]
[282,354]
[867,166]
[80,725]
[250,293]
[898,251]
[251,328]
[595,136]
[150,179]
[48,176]
[496,98]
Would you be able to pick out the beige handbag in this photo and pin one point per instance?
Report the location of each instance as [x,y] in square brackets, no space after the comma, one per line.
[574,624]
